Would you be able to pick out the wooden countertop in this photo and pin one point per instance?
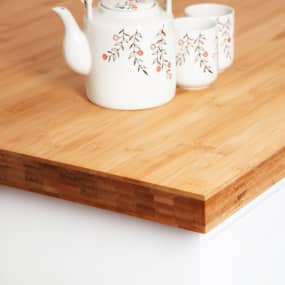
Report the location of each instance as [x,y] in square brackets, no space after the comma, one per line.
[189,164]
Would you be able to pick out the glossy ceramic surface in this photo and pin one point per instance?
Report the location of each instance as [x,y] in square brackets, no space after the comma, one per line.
[196,47]
[127,54]
[225,18]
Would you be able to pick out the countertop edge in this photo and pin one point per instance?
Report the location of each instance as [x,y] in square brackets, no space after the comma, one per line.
[103,191]
[137,199]
[244,190]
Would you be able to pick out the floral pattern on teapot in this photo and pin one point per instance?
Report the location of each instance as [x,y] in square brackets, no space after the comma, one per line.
[196,48]
[130,5]
[123,41]
[159,53]
[131,43]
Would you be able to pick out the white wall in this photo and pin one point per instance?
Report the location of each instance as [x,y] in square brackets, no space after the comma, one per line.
[249,249]
[47,241]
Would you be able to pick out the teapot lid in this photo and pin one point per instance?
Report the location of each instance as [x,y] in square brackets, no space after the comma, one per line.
[128,5]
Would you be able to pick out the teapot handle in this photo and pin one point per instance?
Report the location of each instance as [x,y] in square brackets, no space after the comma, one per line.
[168,7]
[88,7]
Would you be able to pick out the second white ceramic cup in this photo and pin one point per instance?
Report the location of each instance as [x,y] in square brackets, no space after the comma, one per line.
[196,52]
[225,18]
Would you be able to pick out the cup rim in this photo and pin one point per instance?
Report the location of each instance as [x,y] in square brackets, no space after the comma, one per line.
[189,24]
[229,10]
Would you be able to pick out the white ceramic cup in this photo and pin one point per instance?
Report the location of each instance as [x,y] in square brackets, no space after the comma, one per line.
[225,18]
[196,52]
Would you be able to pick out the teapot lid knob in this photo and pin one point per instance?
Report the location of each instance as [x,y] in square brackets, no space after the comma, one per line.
[128,5]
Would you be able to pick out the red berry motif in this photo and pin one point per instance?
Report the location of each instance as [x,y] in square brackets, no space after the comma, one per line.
[169,65]
[158,68]
[205,54]
[140,52]
[105,56]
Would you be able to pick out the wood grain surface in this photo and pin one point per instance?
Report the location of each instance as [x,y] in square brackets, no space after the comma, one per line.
[189,164]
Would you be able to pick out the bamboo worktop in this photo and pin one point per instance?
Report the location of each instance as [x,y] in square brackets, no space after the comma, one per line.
[190,164]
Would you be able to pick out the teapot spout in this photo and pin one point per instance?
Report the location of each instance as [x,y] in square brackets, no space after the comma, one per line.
[75,45]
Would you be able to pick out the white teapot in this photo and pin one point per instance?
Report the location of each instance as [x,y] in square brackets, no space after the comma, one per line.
[127,51]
